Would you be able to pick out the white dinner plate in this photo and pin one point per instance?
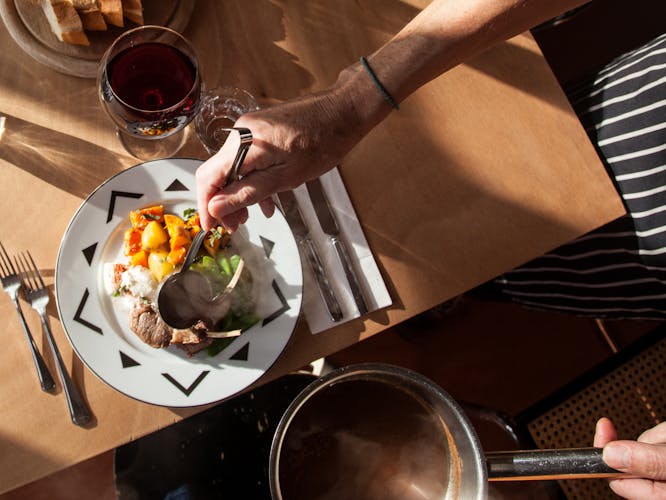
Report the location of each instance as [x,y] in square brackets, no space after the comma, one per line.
[97,324]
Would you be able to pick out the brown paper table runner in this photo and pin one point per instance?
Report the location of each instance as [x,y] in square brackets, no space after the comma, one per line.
[479,171]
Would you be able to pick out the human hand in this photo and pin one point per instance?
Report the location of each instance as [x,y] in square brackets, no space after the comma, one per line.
[645,458]
[292,142]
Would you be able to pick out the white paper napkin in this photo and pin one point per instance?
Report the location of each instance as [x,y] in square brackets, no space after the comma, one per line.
[374,289]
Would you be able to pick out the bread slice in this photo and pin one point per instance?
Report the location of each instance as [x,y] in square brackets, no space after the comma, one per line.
[93,20]
[133,10]
[91,16]
[65,22]
[112,10]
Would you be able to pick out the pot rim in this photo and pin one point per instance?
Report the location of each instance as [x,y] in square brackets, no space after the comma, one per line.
[473,470]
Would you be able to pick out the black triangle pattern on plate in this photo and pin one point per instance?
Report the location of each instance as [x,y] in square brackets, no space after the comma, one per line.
[268,246]
[187,390]
[176,185]
[79,310]
[279,312]
[242,353]
[127,361]
[112,201]
[89,253]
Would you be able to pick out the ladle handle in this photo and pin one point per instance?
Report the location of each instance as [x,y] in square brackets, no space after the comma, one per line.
[538,465]
[245,142]
[193,250]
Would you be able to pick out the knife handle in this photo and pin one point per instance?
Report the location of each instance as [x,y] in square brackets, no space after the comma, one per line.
[322,281]
[357,293]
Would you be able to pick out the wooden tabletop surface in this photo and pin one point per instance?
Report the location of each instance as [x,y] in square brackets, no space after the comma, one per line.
[481,170]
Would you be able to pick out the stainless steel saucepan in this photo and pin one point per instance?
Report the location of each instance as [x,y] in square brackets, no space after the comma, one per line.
[373,431]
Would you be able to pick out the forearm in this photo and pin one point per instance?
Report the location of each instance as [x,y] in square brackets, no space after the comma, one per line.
[303,138]
[444,34]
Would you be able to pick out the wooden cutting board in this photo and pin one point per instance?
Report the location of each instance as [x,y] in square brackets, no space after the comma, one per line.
[27,24]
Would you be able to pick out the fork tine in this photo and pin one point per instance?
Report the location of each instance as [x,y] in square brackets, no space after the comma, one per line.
[24,274]
[21,272]
[3,271]
[6,265]
[35,270]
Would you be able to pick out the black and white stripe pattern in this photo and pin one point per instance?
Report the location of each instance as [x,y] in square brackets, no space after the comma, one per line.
[619,270]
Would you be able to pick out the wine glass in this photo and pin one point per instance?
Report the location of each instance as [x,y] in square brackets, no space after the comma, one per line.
[150,85]
[220,108]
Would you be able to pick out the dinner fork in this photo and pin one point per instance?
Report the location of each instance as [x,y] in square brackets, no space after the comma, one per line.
[11,284]
[37,295]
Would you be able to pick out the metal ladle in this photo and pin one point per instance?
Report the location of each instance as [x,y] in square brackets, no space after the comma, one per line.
[181,295]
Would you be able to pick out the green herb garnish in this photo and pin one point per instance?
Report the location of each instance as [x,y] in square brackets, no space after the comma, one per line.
[215,234]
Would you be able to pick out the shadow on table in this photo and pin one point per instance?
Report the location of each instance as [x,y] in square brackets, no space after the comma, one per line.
[67,162]
[276,55]
[513,65]
[243,49]
[17,456]
[71,360]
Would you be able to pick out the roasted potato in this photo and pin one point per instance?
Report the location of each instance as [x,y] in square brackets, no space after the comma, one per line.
[159,264]
[154,236]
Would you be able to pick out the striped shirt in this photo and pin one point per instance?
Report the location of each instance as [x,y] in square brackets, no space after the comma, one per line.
[618,270]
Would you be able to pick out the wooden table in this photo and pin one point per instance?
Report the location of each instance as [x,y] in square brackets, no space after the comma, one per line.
[480,171]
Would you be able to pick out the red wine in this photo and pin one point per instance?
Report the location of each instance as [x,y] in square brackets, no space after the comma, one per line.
[151,76]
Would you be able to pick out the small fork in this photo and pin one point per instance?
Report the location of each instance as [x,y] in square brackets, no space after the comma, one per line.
[36,293]
[11,284]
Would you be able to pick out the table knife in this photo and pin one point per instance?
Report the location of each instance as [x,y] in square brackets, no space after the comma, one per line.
[330,227]
[307,246]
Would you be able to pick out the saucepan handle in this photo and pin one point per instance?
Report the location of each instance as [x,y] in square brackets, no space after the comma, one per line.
[537,465]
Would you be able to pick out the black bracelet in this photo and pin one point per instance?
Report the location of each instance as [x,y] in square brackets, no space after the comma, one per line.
[379,85]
